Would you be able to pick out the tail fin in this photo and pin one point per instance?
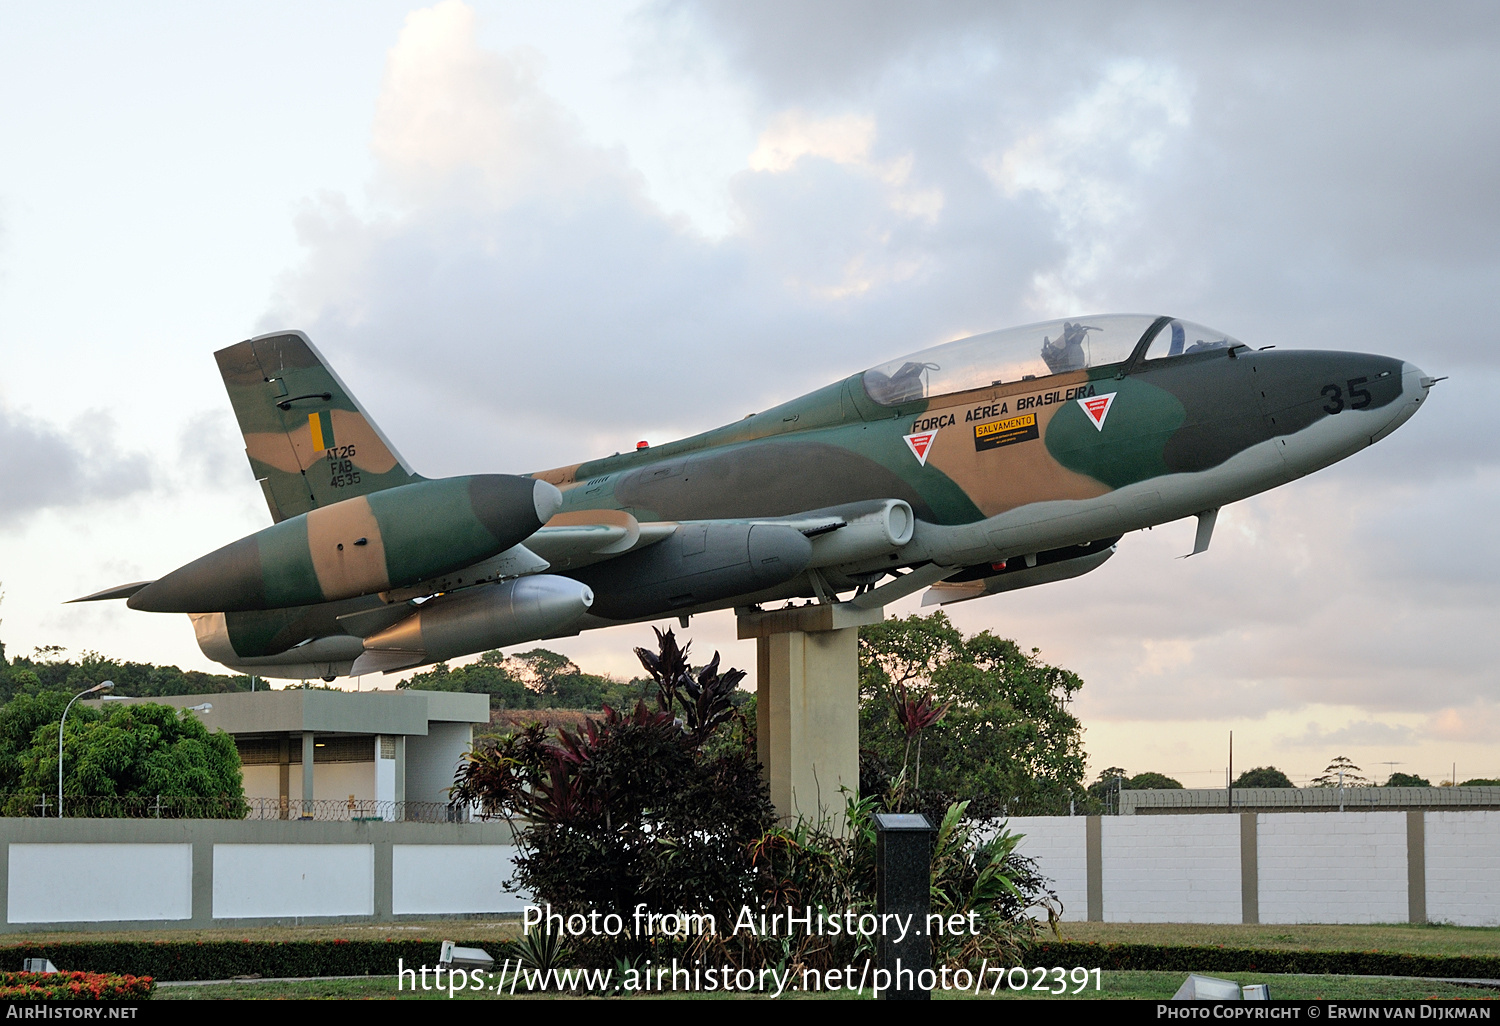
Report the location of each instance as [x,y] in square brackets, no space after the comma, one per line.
[309,442]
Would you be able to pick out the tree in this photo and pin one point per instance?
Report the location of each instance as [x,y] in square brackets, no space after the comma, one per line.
[1152,782]
[539,679]
[47,670]
[1407,780]
[20,721]
[1478,782]
[1263,776]
[1007,741]
[1111,780]
[128,752]
[1341,769]
[659,807]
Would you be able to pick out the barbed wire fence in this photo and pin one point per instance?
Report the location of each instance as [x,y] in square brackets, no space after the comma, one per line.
[44,806]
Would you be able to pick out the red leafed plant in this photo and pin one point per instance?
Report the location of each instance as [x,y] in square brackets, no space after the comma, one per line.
[74,986]
[653,807]
[915,715]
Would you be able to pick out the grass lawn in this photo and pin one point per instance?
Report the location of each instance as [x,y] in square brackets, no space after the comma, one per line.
[1139,985]
[1399,938]
[1158,985]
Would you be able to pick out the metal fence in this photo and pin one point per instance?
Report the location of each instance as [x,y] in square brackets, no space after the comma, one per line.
[228,807]
[1300,799]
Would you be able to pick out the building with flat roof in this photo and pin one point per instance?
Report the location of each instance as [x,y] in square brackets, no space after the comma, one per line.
[337,754]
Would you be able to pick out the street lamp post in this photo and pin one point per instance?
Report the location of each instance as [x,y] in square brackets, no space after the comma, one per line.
[61,723]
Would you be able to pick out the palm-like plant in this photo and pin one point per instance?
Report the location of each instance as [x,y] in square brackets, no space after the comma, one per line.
[704,698]
[915,715]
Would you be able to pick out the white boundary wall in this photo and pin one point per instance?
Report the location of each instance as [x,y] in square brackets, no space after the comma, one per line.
[1171,869]
[1333,867]
[267,881]
[448,879]
[1350,867]
[51,883]
[1463,849]
[194,874]
[1297,867]
[1058,845]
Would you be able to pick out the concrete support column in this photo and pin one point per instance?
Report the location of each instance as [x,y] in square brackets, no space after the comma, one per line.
[1093,851]
[1416,866]
[203,883]
[807,706]
[384,878]
[284,773]
[1249,867]
[307,774]
[400,776]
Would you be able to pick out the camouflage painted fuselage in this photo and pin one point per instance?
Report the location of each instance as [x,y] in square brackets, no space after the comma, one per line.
[1020,468]
[982,465]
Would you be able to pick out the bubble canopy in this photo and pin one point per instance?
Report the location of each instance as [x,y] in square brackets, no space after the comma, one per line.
[1031,351]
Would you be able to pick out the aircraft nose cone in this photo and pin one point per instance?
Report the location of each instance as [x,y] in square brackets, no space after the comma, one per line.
[1415,386]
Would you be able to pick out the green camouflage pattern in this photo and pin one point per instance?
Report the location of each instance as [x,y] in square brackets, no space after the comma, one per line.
[1003,480]
[309,443]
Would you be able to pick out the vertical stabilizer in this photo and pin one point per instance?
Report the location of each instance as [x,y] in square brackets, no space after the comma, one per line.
[309,441]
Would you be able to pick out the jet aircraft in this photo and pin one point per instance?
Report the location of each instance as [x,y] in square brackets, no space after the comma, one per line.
[1001,461]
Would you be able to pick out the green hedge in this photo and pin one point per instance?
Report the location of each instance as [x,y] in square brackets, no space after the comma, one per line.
[221,960]
[1205,958]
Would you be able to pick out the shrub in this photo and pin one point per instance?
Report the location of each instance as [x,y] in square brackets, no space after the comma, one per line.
[813,865]
[74,987]
[667,808]
[652,806]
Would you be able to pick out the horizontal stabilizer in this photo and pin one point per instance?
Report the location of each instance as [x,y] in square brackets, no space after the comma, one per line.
[124,591]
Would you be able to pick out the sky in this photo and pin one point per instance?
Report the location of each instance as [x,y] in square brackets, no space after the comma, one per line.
[527,234]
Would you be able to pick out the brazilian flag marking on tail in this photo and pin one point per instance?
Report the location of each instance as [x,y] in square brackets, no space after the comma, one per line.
[321,426]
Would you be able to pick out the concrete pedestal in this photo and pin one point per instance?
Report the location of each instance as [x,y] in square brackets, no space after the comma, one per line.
[807,705]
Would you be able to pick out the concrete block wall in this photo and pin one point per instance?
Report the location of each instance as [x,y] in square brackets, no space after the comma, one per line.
[1350,867]
[1346,867]
[1058,845]
[110,883]
[100,874]
[1463,868]
[1178,869]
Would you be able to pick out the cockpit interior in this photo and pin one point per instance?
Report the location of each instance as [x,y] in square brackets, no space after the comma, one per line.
[1035,351]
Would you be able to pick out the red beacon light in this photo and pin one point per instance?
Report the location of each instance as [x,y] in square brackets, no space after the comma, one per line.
[642,445]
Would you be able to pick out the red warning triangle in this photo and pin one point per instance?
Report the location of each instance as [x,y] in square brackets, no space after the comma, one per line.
[919,444]
[1097,408]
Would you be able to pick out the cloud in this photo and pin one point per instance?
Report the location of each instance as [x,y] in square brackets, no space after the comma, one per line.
[457,124]
[42,468]
[793,134]
[517,274]
[513,299]
[1478,722]
[1372,733]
